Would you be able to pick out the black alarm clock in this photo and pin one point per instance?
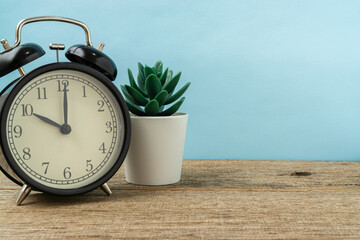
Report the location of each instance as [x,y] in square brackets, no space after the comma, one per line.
[65,127]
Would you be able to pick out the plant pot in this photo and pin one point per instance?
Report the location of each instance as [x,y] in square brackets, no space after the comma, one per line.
[156,149]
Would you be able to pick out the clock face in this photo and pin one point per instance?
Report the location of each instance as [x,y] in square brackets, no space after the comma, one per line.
[65,129]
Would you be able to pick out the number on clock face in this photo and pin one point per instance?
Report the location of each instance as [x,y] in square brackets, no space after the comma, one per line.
[64,129]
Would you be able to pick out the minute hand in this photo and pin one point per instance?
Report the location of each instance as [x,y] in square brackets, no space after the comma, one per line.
[65,106]
[47,120]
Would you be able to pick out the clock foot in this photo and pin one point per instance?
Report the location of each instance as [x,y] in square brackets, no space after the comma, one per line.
[24,192]
[105,187]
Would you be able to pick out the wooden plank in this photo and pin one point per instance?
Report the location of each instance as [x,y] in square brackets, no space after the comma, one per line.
[183,215]
[215,200]
[253,175]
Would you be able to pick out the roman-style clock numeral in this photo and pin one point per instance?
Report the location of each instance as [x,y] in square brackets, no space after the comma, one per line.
[89,166]
[18,131]
[62,84]
[108,127]
[41,92]
[67,173]
[102,148]
[27,154]
[46,164]
[101,104]
[84,91]
[27,109]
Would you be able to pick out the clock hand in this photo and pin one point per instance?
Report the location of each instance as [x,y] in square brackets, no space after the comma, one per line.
[65,106]
[47,120]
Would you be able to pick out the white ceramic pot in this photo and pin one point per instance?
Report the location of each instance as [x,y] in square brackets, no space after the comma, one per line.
[156,149]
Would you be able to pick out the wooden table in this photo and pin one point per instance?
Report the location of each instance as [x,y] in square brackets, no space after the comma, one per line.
[216,199]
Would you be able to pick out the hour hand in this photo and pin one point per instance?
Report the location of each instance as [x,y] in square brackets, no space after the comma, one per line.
[47,120]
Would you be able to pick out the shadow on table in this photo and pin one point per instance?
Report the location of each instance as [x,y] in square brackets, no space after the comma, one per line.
[96,196]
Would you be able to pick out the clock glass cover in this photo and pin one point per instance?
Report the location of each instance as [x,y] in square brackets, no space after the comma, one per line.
[64,129]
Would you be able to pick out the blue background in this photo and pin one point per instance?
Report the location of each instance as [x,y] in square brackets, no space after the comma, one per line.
[270,79]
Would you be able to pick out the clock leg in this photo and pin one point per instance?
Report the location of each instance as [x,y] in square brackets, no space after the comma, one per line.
[105,187]
[24,192]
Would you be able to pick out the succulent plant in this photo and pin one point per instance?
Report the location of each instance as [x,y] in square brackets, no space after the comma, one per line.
[155,88]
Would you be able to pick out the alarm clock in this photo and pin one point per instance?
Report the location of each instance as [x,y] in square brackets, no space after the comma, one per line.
[65,127]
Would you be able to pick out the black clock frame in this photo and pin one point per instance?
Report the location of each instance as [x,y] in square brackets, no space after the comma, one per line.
[6,150]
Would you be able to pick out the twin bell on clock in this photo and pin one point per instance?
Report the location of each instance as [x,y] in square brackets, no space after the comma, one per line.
[65,127]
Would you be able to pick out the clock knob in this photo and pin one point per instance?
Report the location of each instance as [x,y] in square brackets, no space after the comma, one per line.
[100,47]
[57,47]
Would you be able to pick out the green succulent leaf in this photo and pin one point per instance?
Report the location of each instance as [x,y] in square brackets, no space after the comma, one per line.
[133,83]
[178,94]
[169,76]
[163,76]
[157,66]
[153,89]
[127,94]
[160,68]
[141,68]
[149,71]
[141,81]
[135,109]
[131,79]
[161,97]
[170,86]
[141,77]
[138,98]
[153,85]
[171,110]
[152,108]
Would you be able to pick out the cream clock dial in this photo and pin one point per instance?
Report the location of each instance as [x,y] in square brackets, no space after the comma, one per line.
[65,129]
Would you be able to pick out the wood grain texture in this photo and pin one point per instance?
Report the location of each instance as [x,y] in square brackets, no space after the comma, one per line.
[216,199]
